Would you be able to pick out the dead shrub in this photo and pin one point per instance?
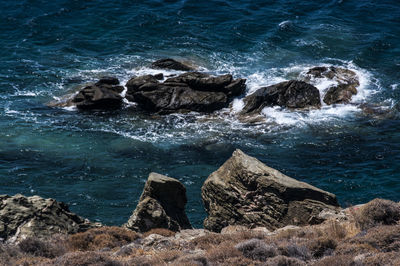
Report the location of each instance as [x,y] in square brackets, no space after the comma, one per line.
[257,249]
[85,259]
[9,253]
[385,238]
[192,260]
[354,249]
[384,259]
[210,240]
[237,261]
[322,246]
[284,261]
[169,255]
[32,261]
[41,248]
[159,231]
[338,260]
[295,251]
[377,212]
[222,252]
[103,237]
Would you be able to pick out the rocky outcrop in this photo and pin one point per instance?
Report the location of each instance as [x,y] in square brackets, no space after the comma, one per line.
[291,94]
[161,205]
[244,191]
[102,95]
[22,217]
[169,63]
[192,91]
[347,83]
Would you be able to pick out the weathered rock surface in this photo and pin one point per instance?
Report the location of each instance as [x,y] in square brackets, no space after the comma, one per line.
[244,191]
[22,217]
[192,91]
[291,94]
[169,63]
[347,83]
[161,205]
[102,95]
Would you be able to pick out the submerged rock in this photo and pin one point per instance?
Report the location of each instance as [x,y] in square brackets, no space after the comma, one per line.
[192,91]
[347,83]
[161,205]
[22,217]
[244,191]
[290,94]
[169,63]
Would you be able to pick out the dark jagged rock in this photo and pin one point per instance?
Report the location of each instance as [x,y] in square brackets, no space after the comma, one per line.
[291,94]
[341,93]
[22,217]
[169,63]
[347,83]
[192,91]
[98,97]
[102,95]
[244,191]
[161,205]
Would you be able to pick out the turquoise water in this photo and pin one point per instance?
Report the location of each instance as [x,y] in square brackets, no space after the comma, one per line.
[98,162]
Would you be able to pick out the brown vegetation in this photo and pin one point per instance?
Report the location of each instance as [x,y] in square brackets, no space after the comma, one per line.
[372,239]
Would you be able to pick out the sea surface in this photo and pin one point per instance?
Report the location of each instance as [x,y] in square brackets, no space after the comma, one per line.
[98,162]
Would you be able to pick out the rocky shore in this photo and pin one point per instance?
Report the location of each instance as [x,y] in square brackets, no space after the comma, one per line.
[256,216]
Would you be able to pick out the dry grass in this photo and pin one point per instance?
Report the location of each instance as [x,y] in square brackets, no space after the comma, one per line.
[340,260]
[159,231]
[100,238]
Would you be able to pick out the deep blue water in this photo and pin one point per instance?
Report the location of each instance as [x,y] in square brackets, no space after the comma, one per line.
[98,162]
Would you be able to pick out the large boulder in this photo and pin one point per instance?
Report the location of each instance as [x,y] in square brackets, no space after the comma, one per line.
[192,91]
[291,94]
[22,217]
[244,191]
[168,63]
[105,94]
[346,83]
[161,205]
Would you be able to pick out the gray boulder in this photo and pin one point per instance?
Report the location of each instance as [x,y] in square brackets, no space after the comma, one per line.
[291,94]
[161,205]
[22,217]
[244,191]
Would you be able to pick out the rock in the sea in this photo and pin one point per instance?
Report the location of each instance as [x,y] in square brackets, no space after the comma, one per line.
[192,91]
[347,83]
[244,191]
[291,94]
[169,63]
[102,95]
[161,205]
[22,217]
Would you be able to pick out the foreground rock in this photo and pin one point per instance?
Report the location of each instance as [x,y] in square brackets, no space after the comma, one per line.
[192,91]
[169,63]
[244,191]
[161,205]
[102,95]
[22,217]
[347,83]
[291,94]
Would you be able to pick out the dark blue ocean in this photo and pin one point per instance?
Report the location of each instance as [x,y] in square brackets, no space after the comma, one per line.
[98,162]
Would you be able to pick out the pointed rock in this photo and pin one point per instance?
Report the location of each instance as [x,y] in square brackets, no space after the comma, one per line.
[161,205]
[169,63]
[244,191]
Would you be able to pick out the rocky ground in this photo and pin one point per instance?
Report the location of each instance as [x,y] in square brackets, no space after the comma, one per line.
[256,216]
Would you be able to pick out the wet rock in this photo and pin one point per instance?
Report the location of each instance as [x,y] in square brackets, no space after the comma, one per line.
[22,217]
[291,94]
[169,63]
[192,91]
[347,83]
[161,205]
[102,95]
[244,191]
